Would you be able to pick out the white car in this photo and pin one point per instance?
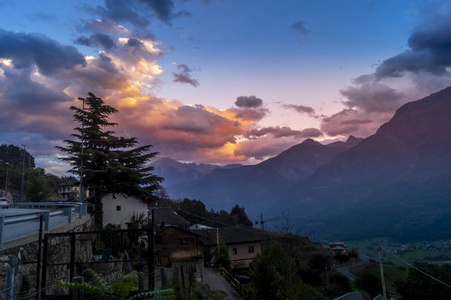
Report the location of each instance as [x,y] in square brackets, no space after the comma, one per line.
[4,203]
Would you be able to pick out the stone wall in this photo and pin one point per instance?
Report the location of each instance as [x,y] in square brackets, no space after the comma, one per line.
[24,259]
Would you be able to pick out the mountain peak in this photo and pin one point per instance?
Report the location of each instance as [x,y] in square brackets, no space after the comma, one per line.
[310,142]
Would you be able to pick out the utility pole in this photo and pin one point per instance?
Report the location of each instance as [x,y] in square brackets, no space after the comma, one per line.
[6,180]
[82,148]
[151,250]
[23,173]
[384,292]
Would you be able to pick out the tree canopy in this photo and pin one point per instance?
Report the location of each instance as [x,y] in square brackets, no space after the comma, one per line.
[108,163]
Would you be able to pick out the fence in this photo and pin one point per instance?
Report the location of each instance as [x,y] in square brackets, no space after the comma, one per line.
[60,209]
[236,284]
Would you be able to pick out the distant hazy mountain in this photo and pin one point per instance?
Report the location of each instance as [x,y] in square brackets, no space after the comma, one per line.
[175,172]
[396,182]
[262,183]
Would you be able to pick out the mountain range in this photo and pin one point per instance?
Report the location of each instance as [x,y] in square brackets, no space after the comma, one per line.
[395,183]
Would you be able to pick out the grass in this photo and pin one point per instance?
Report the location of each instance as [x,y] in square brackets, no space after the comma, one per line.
[415,251]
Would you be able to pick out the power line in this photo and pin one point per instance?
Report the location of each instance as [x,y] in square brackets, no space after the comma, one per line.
[273,234]
[421,271]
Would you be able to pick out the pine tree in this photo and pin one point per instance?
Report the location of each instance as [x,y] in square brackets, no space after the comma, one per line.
[111,164]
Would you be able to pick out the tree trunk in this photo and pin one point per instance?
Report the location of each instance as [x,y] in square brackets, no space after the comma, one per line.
[98,209]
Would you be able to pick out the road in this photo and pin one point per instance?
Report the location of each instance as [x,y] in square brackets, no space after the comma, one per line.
[217,283]
[345,270]
[19,230]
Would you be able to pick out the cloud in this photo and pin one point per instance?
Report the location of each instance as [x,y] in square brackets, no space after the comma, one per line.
[248,102]
[279,132]
[96,40]
[185,75]
[351,121]
[300,109]
[263,147]
[373,97]
[429,51]
[29,49]
[299,28]
[137,12]
[42,17]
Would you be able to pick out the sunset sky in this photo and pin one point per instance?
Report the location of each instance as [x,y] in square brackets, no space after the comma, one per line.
[217,81]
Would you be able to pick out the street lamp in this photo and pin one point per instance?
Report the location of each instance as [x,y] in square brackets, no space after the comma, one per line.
[6,181]
[23,173]
[82,148]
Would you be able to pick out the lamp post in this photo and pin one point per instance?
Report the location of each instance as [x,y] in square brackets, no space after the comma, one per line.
[82,148]
[23,173]
[6,180]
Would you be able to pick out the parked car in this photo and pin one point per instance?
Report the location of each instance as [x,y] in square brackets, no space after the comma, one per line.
[4,203]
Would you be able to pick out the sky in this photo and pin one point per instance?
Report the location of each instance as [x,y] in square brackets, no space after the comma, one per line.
[226,81]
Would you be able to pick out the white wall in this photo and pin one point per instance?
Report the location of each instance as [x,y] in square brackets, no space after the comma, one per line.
[128,206]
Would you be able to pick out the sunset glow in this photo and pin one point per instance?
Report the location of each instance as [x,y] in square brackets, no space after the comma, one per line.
[201,88]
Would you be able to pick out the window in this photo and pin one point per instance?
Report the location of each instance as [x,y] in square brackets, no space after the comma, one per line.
[235,251]
[118,208]
[187,241]
[251,249]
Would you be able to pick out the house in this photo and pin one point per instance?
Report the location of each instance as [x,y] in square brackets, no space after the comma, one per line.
[118,208]
[70,187]
[176,244]
[243,244]
[337,248]
[167,217]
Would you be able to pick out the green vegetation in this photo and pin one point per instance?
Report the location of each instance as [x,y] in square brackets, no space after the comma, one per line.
[13,158]
[110,164]
[418,251]
[195,212]
[118,290]
[419,286]
[273,277]
[38,187]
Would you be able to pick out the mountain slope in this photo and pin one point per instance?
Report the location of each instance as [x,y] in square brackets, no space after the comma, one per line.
[250,185]
[396,182]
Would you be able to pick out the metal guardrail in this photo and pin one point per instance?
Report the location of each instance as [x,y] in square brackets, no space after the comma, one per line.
[67,209]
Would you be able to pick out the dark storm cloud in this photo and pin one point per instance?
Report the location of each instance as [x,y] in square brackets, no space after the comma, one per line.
[299,27]
[29,49]
[279,132]
[184,76]
[300,109]
[96,40]
[248,102]
[430,51]
[373,97]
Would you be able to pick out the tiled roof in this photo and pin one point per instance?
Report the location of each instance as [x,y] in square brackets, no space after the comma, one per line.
[165,216]
[231,235]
